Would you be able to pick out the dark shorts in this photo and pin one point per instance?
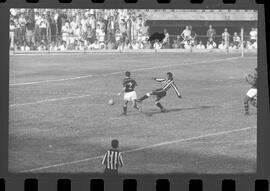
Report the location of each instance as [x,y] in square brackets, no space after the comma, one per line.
[110,172]
[159,93]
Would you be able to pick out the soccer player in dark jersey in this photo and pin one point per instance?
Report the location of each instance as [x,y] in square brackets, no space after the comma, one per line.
[112,159]
[161,92]
[130,95]
[251,95]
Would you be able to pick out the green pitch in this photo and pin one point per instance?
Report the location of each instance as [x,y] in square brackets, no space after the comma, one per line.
[60,120]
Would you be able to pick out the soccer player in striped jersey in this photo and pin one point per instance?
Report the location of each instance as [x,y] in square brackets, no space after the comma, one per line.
[161,92]
[251,95]
[112,159]
[130,95]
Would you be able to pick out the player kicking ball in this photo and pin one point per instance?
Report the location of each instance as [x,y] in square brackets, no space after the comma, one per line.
[161,92]
[130,95]
[251,95]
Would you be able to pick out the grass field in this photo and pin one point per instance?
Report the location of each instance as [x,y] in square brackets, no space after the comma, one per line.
[60,120]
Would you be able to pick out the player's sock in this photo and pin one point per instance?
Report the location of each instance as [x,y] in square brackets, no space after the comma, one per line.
[124,110]
[254,102]
[160,106]
[246,108]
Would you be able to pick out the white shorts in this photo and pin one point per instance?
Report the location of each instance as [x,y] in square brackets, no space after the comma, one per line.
[252,92]
[130,96]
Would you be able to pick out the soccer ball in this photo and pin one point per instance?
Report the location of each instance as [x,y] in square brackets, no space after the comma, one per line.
[111,102]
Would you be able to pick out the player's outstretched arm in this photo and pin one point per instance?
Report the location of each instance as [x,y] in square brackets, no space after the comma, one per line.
[176,91]
[159,79]
[104,159]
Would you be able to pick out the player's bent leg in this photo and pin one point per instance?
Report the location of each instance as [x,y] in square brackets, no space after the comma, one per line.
[147,95]
[135,106]
[160,95]
[158,104]
[125,108]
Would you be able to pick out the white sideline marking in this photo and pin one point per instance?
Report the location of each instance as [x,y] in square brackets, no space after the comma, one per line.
[142,148]
[76,96]
[50,100]
[119,72]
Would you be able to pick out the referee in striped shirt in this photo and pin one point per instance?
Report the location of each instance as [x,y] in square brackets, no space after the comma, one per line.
[161,92]
[112,159]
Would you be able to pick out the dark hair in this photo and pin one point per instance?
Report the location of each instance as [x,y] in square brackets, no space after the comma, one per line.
[127,73]
[115,143]
[169,74]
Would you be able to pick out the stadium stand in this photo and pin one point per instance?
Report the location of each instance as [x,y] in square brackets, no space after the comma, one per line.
[128,29]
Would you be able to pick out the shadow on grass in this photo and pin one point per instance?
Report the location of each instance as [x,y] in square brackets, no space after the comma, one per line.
[178,109]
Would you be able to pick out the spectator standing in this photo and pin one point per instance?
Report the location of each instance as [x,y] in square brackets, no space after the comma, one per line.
[111,29]
[12,28]
[186,34]
[21,28]
[193,36]
[253,35]
[211,32]
[65,33]
[37,24]
[145,31]
[30,29]
[92,21]
[43,28]
[53,28]
[123,30]
[178,40]
[73,24]
[226,37]
[112,159]
[166,40]
[134,26]
[59,23]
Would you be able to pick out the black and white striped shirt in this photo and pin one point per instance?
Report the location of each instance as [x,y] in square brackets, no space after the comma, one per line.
[168,84]
[112,159]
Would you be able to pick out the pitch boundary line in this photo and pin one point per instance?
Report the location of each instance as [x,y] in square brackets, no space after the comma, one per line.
[76,96]
[119,72]
[143,148]
[50,100]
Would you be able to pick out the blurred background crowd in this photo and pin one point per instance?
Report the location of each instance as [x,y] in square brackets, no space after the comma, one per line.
[100,29]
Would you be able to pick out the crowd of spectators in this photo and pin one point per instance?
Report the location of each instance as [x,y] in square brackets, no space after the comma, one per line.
[77,29]
[213,41]
[97,29]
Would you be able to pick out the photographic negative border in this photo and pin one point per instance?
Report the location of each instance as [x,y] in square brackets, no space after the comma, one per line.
[48,181]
